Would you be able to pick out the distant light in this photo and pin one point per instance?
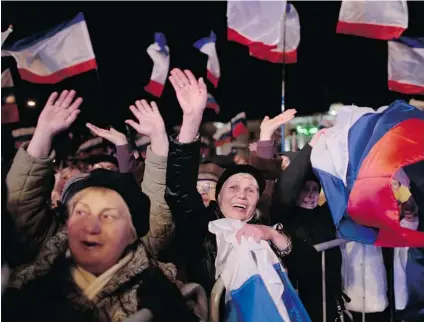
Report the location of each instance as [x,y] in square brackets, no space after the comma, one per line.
[10,99]
[31,103]
[313,130]
[332,113]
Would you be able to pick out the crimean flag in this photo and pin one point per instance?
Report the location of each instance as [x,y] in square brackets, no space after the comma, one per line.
[207,45]
[51,56]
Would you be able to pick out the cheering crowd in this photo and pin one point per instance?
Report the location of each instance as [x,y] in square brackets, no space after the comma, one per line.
[130,236]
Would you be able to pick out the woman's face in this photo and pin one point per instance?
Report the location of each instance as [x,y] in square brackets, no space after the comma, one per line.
[238,196]
[308,196]
[206,188]
[99,229]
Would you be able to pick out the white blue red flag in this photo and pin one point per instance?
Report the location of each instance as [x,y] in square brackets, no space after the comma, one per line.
[212,104]
[238,125]
[406,65]
[385,20]
[223,135]
[356,160]
[9,108]
[50,57]
[256,285]
[207,45]
[159,53]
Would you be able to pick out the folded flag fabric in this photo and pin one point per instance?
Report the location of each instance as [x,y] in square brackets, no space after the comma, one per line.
[6,34]
[256,24]
[238,125]
[159,53]
[256,285]
[212,104]
[406,65]
[22,135]
[385,20]
[9,108]
[50,57]
[356,160]
[207,46]
[286,51]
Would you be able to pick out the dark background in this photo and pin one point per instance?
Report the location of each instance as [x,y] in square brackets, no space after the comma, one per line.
[331,67]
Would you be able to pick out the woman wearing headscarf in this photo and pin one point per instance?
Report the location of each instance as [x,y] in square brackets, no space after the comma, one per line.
[295,205]
[237,191]
[99,265]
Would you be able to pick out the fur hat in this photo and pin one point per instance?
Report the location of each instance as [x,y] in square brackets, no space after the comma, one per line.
[209,171]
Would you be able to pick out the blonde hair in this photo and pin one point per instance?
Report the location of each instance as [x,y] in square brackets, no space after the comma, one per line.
[100,190]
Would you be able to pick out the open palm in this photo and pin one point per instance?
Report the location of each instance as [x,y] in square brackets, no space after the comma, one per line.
[192,94]
[59,112]
[111,135]
[269,126]
[149,121]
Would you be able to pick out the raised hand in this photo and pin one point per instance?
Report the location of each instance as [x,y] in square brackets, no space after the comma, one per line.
[269,126]
[192,94]
[253,147]
[58,115]
[111,135]
[150,123]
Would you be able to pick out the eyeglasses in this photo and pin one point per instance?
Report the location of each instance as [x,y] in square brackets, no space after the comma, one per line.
[206,187]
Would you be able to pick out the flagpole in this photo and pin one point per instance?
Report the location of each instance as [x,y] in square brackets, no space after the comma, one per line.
[283,90]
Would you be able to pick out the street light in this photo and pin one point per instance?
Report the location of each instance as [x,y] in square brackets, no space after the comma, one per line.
[31,103]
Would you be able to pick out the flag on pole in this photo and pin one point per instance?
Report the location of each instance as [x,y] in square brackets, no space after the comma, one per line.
[406,65]
[9,108]
[207,45]
[159,53]
[6,34]
[212,104]
[356,160]
[238,125]
[385,20]
[286,51]
[50,57]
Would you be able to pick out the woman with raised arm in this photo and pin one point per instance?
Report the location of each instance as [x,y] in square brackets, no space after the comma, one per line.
[237,191]
[100,263]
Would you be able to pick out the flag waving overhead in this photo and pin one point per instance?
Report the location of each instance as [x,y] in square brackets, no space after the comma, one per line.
[6,34]
[238,125]
[286,51]
[383,20]
[52,56]
[356,160]
[406,65]
[207,46]
[159,53]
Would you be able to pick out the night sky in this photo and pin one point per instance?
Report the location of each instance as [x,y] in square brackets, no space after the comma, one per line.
[331,67]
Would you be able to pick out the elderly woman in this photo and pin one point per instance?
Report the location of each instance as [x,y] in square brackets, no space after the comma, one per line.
[237,191]
[101,264]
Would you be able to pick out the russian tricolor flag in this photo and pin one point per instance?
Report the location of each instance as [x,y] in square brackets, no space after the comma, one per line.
[406,65]
[223,135]
[238,125]
[385,20]
[159,53]
[207,46]
[356,160]
[50,57]
[212,104]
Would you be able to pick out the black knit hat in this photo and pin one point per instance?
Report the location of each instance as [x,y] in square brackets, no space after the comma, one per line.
[241,168]
[122,183]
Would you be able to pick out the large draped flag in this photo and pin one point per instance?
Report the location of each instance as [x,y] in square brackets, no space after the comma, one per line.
[270,29]
[159,53]
[207,46]
[383,20]
[9,108]
[6,34]
[50,57]
[356,160]
[406,65]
